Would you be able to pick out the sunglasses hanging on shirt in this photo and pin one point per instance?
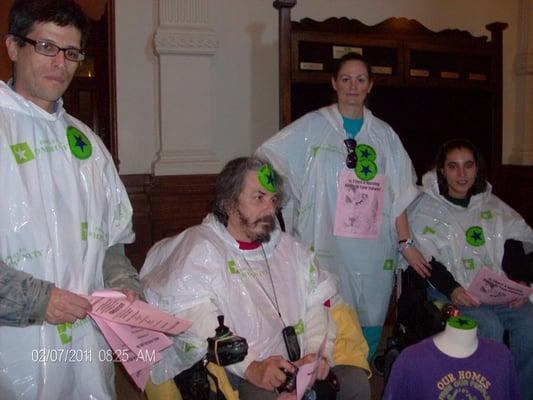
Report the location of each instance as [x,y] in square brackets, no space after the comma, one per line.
[351,158]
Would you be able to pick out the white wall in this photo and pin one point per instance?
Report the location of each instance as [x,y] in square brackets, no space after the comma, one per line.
[136,63]
[244,99]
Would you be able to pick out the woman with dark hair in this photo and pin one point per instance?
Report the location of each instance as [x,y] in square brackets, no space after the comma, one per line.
[348,181]
[461,226]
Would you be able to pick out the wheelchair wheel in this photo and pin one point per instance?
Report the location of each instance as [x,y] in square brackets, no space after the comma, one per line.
[390,357]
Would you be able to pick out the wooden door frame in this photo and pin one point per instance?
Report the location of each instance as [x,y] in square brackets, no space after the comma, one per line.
[111,56]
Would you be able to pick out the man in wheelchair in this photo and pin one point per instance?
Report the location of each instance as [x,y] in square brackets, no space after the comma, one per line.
[267,284]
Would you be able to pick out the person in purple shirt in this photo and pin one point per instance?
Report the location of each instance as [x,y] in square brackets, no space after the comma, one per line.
[454,364]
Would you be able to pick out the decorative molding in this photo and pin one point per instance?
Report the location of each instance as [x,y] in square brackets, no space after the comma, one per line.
[278,4]
[183,13]
[186,162]
[185,41]
[397,26]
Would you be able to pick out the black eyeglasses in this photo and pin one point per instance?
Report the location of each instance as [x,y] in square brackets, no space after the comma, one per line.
[351,158]
[51,50]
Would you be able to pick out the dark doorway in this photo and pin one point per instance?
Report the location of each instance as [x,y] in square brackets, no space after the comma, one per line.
[91,96]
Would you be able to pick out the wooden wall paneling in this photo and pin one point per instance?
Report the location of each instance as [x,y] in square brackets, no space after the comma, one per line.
[516,189]
[5,62]
[137,187]
[178,202]
[164,206]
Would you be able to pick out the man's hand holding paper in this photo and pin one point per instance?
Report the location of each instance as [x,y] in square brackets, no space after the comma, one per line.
[134,330]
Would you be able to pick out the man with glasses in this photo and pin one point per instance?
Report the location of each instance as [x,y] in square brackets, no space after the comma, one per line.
[64,218]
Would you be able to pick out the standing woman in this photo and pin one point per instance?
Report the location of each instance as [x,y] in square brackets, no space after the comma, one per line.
[349,180]
[461,226]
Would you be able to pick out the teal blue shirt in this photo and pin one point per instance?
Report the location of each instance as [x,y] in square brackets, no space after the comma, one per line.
[352,126]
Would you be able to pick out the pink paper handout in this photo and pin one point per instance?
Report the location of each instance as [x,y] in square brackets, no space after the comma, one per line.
[138,313]
[307,372]
[359,205]
[491,288]
[133,331]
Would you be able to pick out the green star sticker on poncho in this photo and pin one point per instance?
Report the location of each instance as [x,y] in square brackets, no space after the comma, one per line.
[462,322]
[366,170]
[474,236]
[365,152]
[266,178]
[79,144]
[22,152]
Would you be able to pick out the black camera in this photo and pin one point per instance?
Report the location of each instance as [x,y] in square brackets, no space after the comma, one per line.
[225,348]
[290,382]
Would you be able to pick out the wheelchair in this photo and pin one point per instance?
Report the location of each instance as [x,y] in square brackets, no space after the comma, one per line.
[416,319]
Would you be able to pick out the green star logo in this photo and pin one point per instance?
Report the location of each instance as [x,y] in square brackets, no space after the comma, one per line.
[388,264]
[266,178]
[188,347]
[22,152]
[469,263]
[366,170]
[365,152]
[462,322]
[232,267]
[312,268]
[65,332]
[428,230]
[79,144]
[475,236]
[485,214]
[84,231]
[299,328]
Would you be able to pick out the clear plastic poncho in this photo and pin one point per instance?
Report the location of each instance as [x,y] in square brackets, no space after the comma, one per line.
[465,239]
[205,265]
[310,155]
[63,205]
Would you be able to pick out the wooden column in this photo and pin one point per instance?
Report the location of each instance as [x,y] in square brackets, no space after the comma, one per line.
[284,10]
[522,153]
[496,30]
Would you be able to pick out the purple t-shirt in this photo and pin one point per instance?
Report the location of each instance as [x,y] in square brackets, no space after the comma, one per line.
[423,372]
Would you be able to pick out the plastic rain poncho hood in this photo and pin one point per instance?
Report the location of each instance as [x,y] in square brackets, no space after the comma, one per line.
[204,264]
[310,154]
[63,205]
[465,239]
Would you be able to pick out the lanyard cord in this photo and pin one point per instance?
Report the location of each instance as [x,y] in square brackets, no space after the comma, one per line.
[274,302]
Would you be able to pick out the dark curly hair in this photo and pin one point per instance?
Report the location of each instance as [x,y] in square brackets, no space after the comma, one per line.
[229,185]
[480,183]
[25,13]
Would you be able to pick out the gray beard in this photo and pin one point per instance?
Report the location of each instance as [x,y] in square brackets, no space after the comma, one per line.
[262,237]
